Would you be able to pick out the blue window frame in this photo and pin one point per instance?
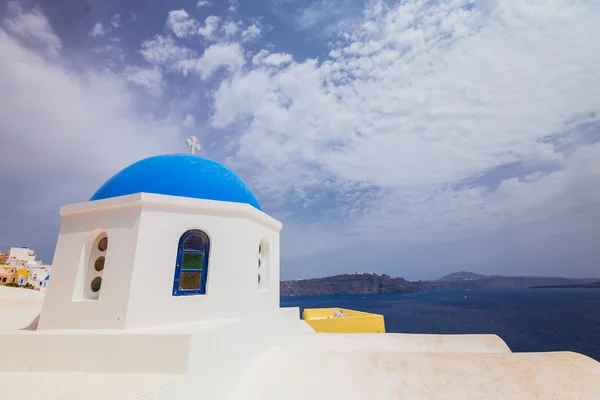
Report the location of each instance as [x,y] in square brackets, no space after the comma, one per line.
[191,268]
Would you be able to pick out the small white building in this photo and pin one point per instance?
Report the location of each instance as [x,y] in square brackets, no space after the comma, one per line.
[38,275]
[166,286]
[22,254]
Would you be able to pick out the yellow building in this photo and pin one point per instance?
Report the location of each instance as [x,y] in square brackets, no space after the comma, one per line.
[23,276]
[341,320]
[8,275]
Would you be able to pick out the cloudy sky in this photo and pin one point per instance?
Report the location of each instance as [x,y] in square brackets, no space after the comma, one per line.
[413,138]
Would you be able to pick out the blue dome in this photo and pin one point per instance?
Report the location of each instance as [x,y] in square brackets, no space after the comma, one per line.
[183,175]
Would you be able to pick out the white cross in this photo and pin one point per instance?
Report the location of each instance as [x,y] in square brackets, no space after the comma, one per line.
[193,143]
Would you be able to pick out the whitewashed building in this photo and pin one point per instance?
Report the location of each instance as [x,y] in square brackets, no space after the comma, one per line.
[38,276]
[22,254]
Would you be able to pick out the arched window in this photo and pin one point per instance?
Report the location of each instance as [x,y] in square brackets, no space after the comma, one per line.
[264,261]
[192,263]
[95,267]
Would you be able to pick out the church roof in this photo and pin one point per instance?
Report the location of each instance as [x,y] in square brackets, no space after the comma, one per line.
[183,175]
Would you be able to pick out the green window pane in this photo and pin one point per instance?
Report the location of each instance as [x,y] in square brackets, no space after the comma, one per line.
[192,261]
[96,283]
[190,280]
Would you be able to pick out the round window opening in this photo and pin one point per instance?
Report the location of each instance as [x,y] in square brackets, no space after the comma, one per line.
[99,264]
[258,278]
[96,284]
[103,244]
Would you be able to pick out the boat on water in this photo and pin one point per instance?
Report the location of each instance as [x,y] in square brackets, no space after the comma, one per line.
[165,285]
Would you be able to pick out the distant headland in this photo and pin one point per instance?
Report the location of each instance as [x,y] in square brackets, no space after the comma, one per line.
[593,285]
[371,283]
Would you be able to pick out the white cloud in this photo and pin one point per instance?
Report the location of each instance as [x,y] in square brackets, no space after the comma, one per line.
[251,33]
[328,19]
[233,5]
[189,121]
[230,28]
[97,30]
[149,78]
[111,55]
[274,59]
[100,30]
[34,27]
[162,50]
[229,56]
[182,24]
[86,126]
[211,25]
[259,57]
[115,20]
[204,3]
[212,30]
[421,100]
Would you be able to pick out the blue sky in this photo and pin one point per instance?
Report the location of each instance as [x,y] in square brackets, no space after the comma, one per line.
[413,138]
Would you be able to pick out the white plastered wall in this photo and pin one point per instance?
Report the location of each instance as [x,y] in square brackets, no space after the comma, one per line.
[22,253]
[235,230]
[66,305]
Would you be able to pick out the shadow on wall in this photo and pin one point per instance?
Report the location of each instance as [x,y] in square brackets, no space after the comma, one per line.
[33,325]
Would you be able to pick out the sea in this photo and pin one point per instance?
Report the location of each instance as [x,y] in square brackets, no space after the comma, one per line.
[528,320]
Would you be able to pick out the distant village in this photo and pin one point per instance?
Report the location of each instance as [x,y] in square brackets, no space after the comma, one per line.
[19,268]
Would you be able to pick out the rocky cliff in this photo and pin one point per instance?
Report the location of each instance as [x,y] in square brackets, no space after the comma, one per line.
[347,284]
[370,283]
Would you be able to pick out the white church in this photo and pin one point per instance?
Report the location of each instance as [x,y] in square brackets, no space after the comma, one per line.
[165,285]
